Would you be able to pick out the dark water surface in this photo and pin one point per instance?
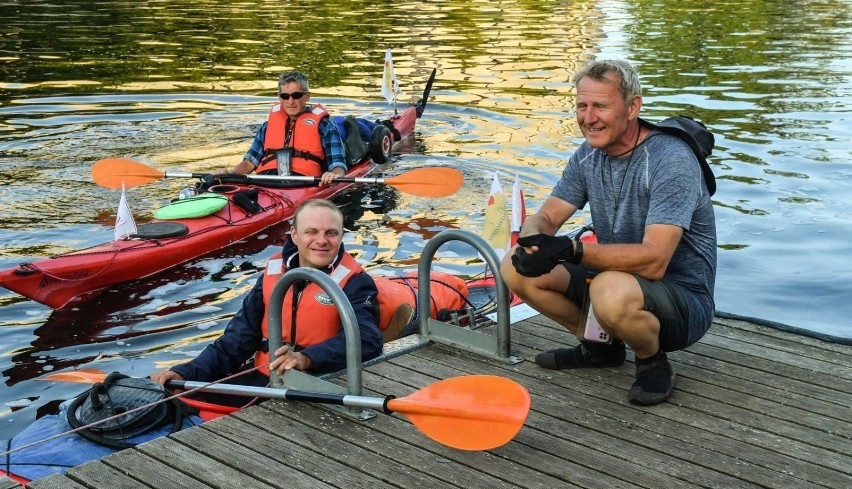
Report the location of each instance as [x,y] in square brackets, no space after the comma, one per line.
[183,85]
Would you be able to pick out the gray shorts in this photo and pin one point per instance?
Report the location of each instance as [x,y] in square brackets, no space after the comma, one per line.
[663,299]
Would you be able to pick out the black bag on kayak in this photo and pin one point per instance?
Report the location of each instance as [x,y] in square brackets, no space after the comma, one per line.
[144,401]
[247,201]
[696,136]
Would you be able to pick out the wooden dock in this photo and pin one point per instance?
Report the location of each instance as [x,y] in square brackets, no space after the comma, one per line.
[752,407]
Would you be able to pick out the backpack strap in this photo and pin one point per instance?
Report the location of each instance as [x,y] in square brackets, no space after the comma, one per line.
[696,136]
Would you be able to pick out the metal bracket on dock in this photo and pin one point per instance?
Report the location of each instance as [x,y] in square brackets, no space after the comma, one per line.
[498,347]
[294,379]
[430,330]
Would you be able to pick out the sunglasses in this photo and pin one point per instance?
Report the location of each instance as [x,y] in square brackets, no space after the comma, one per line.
[295,95]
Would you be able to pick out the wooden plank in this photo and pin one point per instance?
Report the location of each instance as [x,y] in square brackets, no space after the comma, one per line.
[198,466]
[813,368]
[778,419]
[594,397]
[798,344]
[836,461]
[364,449]
[97,475]
[559,453]
[741,380]
[7,483]
[55,481]
[415,452]
[152,471]
[598,437]
[753,407]
[723,363]
[267,454]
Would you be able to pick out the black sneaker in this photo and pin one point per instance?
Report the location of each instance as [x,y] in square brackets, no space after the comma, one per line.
[584,355]
[654,380]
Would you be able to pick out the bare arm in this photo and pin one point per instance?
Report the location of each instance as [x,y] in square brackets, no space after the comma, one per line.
[648,259]
[243,168]
[549,218]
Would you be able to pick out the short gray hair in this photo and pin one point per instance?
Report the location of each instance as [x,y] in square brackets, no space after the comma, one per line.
[322,203]
[628,84]
[294,76]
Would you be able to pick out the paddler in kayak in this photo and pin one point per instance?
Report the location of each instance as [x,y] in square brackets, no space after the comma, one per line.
[313,328]
[296,138]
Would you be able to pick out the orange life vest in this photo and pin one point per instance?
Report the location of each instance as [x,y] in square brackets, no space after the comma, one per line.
[446,291]
[316,317]
[308,156]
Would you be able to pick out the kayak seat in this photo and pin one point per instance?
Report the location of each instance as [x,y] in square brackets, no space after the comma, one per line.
[155,230]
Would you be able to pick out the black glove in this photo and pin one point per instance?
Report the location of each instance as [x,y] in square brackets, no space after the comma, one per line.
[552,250]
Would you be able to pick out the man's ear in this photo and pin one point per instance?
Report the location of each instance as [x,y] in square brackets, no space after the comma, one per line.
[635,106]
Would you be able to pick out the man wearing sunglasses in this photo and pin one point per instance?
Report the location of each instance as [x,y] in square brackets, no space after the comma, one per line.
[296,138]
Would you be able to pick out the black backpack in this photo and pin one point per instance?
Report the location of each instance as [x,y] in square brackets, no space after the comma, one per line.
[696,136]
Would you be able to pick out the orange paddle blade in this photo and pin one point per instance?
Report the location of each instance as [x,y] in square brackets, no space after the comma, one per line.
[82,376]
[474,412]
[428,182]
[113,172]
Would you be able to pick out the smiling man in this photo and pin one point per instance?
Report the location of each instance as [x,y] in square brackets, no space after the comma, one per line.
[311,328]
[296,138]
[655,255]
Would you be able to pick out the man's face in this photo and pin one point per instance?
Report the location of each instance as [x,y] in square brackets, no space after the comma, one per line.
[602,114]
[293,106]
[318,235]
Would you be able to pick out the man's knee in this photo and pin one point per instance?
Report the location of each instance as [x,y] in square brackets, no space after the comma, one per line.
[615,296]
[512,278]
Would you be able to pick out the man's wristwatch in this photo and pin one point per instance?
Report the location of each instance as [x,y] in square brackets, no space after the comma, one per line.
[578,252]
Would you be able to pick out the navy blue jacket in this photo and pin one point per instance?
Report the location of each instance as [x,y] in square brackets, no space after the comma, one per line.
[242,337]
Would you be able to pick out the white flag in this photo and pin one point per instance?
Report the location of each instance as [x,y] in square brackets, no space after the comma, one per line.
[519,210]
[496,228]
[390,85]
[124,223]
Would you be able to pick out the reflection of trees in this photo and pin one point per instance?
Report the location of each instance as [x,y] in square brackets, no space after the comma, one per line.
[196,44]
[725,50]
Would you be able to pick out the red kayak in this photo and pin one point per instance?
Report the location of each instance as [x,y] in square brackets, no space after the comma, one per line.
[81,275]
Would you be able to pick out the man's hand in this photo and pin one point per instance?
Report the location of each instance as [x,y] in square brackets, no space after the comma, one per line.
[165,376]
[331,176]
[545,253]
[286,359]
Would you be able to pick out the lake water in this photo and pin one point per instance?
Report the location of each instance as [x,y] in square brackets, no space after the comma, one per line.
[183,85]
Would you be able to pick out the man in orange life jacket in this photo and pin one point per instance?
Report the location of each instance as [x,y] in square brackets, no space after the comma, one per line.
[296,138]
[313,328]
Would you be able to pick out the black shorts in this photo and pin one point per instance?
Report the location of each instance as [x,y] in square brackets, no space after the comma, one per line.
[662,298]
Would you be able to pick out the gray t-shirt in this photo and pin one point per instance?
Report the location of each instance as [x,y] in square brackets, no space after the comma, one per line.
[660,183]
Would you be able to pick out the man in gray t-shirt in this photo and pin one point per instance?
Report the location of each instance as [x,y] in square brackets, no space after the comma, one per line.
[656,239]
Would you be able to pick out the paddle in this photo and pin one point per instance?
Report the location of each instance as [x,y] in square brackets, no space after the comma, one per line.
[474,412]
[423,182]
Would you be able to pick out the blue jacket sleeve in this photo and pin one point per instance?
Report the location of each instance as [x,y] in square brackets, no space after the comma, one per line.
[239,342]
[330,355]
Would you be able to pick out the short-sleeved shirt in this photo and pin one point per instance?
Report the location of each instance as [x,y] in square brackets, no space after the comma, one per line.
[659,183]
